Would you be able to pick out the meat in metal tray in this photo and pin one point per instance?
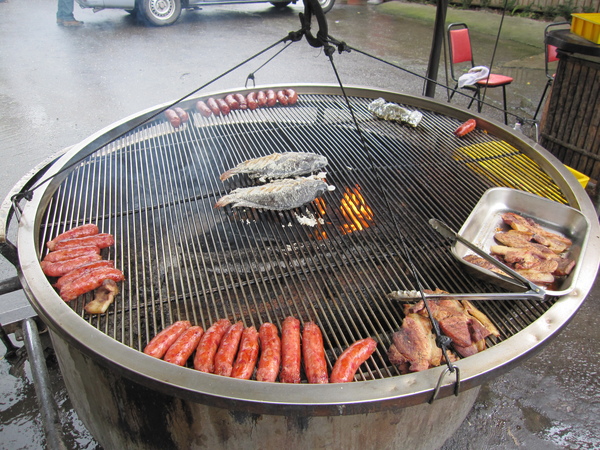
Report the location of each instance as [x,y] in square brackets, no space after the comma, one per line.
[486,219]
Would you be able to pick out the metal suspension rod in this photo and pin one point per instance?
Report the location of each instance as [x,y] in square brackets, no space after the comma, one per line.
[50,419]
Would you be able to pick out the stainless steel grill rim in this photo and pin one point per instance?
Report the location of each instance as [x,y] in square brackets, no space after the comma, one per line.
[382,392]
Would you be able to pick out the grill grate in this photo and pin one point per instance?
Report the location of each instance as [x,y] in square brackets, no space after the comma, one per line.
[154,188]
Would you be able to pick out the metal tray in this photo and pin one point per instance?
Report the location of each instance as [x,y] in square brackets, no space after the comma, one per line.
[486,219]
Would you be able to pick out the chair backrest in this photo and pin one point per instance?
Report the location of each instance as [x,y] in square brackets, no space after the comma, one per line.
[459,45]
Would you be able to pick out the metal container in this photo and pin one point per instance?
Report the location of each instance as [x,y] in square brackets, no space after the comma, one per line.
[130,400]
[486,220]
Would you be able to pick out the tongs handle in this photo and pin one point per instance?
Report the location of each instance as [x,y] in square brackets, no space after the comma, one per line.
[448,233]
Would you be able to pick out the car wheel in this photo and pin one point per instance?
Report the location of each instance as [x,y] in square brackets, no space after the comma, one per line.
[159,12]
[326,5]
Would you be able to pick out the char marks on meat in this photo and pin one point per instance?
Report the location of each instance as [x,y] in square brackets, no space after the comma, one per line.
[279,165]
[414,348]
[280,195]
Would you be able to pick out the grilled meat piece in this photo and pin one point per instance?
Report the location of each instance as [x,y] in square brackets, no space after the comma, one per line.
[565,266]
[537,277]
[514,238]
[279,165]
[103,297]
[278,195]
[413,347]
[460,321]
[520,223]
[557,246]
[479,261]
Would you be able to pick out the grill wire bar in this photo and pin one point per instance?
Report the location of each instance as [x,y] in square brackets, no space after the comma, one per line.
[154,188]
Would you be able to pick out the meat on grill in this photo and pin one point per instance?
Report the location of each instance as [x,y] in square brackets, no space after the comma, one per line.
[204,360]
[414,346]
[350,360]
[159,344]
[279,165]
[104,296]
[247,355]
[280,195]
[76,232]
[270,353]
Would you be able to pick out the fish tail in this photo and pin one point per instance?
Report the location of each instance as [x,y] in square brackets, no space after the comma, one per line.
[226,200]
[229,173]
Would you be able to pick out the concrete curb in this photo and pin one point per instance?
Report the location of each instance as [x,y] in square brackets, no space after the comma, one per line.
[524,31]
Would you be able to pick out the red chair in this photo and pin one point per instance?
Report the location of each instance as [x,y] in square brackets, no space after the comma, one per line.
[461,53]
[551,56]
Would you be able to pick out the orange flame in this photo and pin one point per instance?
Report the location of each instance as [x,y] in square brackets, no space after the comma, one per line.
[355,210]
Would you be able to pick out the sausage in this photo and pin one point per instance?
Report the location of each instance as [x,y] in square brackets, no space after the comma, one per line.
[182,113]
[292,96]
[90,281]
[70,253]
[60,268]
[204,361]
[184,346]
[232,102]
[172,117]
[101,240]
[247,355]
[270,353]
[261,98]
[160,343]
[81,231]
[241,100]
[350,360]
[313,353]
[290,351]
[271,97]
[465,128]
[223,106]
[228,349]
[80,271]
[203,108]
[282,98]
[251,100]
[214,107]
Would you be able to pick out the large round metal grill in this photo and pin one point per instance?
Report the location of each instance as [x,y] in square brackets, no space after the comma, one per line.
[154,188]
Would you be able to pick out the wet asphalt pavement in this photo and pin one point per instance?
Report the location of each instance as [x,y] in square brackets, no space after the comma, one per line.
[59,86]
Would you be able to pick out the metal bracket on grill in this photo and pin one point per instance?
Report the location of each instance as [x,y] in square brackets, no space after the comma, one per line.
[453,369]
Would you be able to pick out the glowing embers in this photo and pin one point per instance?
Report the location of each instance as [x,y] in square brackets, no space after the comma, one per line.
[354,214]
[355,210]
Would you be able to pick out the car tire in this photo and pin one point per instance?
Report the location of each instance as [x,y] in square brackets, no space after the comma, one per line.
[159,12]
[326,5]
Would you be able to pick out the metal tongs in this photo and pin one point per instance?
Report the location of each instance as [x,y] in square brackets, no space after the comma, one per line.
[533,291]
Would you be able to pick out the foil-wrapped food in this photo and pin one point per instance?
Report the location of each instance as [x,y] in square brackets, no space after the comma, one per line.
[392,111]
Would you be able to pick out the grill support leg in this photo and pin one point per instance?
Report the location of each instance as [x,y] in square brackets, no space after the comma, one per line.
[50,419]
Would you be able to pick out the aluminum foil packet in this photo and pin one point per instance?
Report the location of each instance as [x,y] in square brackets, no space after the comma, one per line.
[392,111]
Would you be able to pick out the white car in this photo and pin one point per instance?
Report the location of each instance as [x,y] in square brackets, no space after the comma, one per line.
[166,12]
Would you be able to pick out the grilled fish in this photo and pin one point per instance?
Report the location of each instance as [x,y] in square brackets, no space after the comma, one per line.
[279,195]
[279,165]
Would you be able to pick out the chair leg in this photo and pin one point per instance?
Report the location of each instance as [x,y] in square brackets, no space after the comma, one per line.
[505,111]
[542,99]
[475,95]
[453,92]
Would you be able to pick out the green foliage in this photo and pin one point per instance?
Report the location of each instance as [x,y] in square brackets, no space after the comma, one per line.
[566,9]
